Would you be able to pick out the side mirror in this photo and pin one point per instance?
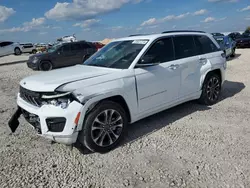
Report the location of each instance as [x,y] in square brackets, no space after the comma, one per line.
[146,61]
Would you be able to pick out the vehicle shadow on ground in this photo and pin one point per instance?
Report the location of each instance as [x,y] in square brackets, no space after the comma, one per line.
[235,57]
[165,118]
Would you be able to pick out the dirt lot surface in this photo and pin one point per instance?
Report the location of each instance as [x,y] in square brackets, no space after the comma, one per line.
[187,146]
[10,59]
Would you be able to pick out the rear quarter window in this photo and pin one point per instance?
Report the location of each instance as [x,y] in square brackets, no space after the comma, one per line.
[184,46]
[204,45]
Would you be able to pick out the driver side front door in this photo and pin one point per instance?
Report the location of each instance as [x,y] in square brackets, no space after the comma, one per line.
[158,85]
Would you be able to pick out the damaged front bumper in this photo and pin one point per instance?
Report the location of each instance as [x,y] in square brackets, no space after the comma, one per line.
[50,121]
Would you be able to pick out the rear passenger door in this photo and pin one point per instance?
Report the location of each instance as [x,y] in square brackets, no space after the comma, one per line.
[77,53]
[189,64]
[64,56]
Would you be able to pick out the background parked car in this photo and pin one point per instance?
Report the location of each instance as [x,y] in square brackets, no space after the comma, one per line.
[98,45]
[62,55]
[28,48]
[8,48]
[227,44]
[243,42]
[41,48]
[217,34]
[235,35]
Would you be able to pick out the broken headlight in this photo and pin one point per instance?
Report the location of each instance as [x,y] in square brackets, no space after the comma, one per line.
[57,99]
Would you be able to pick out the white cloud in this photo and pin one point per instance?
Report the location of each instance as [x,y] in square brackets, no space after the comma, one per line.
[229,1]
[85,9]
[27,26]
[43,33]
[116,28]
[245,9]
[35,22]
[212,19]
[87,23]
[247,18]
[5,13]
[200,12]
[154,21]
[151,21]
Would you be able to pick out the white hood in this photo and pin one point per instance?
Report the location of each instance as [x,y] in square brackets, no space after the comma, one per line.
[49,81]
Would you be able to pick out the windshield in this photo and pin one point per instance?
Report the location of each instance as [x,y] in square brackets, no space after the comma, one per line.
[54,47]
[220,40]
[119,54]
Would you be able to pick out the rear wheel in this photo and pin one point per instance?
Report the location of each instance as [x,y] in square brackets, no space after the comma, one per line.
[211,89]
[45,66]
[104,127]
[17,51]
[34,51]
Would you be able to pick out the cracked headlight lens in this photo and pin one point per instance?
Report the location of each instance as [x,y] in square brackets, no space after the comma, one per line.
[61,100]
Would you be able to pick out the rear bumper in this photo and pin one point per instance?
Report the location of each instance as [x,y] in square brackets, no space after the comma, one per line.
[43,118]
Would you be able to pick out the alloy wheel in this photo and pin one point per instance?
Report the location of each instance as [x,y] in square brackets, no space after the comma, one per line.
[213,88]
[107,128]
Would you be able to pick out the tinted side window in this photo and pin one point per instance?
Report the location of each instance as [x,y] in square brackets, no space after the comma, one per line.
[161,51]
[66,48]
[184,46]
[3,44]
[85,46]
[204,45]
[75,47]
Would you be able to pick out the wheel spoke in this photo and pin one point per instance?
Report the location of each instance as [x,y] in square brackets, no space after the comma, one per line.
[115,135]
[110,116]
[116,120]
[116,126]
[102,138]
[106,116]
[110,139]
[99,135]
[98,121]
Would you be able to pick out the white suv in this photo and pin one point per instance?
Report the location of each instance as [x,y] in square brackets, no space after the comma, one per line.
[8,48]
[127,80]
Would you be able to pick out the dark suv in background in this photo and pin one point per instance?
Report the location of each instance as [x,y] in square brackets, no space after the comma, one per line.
[62,55]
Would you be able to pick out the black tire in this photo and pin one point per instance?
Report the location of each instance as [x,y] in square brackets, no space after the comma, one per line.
[233,53]
[211,89]
[34,51]
[90,138]
[45,66]
[17,51]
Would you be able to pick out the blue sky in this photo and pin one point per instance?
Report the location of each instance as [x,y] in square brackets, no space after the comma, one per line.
[47,20]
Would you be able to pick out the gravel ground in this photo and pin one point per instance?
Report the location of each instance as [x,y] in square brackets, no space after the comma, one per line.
[187,146]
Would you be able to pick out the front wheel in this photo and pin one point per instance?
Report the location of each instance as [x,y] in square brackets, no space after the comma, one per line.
[211,90]
[104,127]
[45,66]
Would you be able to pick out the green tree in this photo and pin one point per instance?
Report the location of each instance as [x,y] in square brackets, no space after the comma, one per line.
[247,29]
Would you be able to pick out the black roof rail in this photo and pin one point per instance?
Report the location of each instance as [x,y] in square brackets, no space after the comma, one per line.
[179,31]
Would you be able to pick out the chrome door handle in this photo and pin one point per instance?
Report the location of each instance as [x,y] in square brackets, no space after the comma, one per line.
[173,66]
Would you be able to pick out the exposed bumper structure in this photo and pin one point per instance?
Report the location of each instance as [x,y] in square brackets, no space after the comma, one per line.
[53,122]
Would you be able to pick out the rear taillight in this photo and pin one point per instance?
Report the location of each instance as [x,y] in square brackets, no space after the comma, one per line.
[223,55]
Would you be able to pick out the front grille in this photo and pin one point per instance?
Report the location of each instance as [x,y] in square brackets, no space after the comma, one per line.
[31,97]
